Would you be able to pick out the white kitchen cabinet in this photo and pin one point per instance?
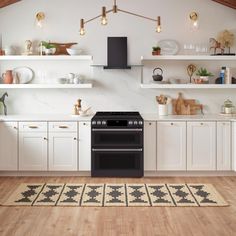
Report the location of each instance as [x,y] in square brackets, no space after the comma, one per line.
[234,145]
[224,146]
[63,146]
[85,146]
[33,151]
[63,152]
[8,146]
[150,161]
[201,146]
[171,146]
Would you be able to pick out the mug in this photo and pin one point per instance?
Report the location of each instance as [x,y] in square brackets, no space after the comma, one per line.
[7,77]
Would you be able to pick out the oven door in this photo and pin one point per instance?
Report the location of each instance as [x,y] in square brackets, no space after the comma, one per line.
[112,138]
[117,162]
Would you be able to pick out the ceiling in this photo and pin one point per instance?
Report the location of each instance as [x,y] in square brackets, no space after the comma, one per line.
[228,3]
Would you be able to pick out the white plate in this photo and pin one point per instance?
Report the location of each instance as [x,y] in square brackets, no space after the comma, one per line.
[168,47]
[25,74]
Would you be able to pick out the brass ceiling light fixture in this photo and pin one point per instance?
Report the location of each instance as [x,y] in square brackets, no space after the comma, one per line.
[115,9]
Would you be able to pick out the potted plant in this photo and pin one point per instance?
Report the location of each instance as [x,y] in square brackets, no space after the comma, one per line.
[203,75]
[49,48]
[156,50]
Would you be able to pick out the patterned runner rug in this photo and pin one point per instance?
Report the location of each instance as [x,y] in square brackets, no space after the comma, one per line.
[112,195]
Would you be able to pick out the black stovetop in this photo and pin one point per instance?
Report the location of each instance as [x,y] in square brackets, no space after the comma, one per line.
[117,113]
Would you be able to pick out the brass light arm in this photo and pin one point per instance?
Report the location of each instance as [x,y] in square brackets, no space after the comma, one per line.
[96,17]
[134,14]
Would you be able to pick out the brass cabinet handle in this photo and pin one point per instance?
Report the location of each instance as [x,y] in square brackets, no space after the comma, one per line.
[33,127]
[63,127]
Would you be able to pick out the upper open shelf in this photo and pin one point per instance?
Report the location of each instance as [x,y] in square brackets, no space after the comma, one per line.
[47,58]
[189,58]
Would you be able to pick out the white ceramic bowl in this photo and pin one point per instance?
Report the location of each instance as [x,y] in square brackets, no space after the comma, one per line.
[74,51]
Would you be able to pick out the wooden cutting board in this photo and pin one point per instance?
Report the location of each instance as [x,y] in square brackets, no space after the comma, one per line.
[181,106]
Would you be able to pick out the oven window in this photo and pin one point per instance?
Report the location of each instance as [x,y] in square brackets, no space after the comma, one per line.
[116,138]
[117,160]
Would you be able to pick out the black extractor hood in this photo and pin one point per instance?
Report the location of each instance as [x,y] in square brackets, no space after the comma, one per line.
[117,53]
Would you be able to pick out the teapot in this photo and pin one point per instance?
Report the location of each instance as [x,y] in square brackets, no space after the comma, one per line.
[157,76]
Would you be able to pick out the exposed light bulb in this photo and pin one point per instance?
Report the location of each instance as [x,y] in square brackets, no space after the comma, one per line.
[82,31]
[104,21]
[104,16]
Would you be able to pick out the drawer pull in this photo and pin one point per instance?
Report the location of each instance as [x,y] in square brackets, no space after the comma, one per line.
[172,123]
[45,138]
[63,127]
[33,127]
[201,123]
[75,138]
[15,127]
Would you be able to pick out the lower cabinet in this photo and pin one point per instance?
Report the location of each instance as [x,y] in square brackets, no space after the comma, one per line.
[8,146]
[171,146]
[150,162]
[234,145]
[33,151]
[85,146]
[201,146]
[63,152]
[63,146]
[224,146]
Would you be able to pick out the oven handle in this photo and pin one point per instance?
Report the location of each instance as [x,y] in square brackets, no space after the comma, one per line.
[125,130]
[117,150]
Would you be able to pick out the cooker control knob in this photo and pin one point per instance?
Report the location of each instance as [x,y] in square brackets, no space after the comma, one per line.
[104,122]
[99,122]
[135,122]
[130,122]
[140,122]
[94,122]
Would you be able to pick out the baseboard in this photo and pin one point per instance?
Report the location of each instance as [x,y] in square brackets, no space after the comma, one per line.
[146,174]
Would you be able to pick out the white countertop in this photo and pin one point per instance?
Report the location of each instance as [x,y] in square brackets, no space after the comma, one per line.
[45,117]
[151,117]
[207,117]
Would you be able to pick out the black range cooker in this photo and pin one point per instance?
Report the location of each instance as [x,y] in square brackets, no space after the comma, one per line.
[117,144]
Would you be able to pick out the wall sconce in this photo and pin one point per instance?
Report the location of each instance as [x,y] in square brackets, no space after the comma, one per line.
[104,16]
[40,17]
[158,29]
[193,16]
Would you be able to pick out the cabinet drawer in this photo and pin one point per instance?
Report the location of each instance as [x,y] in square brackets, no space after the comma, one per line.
[63,126]
[33,126]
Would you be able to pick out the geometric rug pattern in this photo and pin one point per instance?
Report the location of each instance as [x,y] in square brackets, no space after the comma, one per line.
[115,195]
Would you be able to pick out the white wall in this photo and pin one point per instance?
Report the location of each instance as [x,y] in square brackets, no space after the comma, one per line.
[118,89]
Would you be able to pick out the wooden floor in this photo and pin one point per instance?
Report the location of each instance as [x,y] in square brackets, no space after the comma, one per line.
[147,221]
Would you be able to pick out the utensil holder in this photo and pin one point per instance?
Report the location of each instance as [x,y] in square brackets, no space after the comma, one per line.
[162,110]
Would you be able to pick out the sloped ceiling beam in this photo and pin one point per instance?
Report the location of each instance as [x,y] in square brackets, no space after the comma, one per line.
[228,3]
[4,3]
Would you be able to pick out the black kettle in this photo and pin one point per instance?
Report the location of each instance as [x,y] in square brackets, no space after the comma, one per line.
[157,74]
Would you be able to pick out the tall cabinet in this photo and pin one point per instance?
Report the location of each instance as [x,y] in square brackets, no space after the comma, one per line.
[8,146]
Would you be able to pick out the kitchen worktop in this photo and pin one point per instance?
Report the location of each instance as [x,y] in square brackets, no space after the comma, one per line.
[208,117]
[45,117]
[146,116]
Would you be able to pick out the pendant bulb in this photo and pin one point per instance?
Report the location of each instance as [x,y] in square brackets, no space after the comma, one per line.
[158,29]
[104,16]
[82,31]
